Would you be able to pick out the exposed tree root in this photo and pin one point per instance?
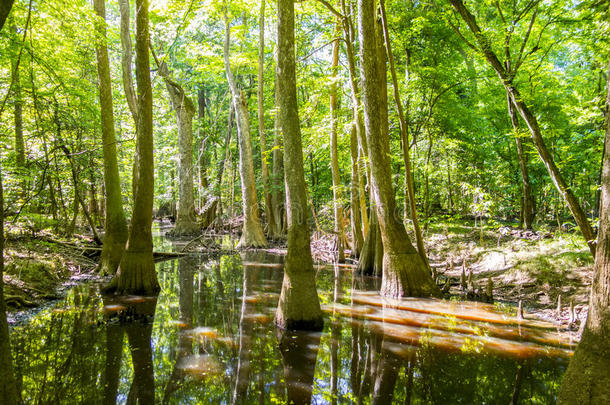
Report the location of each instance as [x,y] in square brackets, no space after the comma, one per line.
[299,308]
[110,258]
[406,275]
[252,237]
[136,275]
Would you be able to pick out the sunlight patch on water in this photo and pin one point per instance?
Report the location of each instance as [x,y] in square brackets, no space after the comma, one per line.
[454,326]
[204,332]
[200,366]
[109,309]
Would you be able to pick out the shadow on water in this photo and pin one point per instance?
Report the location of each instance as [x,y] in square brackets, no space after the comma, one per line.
[209,338]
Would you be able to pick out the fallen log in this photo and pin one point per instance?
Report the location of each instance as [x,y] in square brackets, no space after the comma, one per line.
[158,256]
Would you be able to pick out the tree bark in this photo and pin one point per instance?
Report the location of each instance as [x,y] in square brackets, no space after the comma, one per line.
[404,137]
[18,113]
[334,153]
[202,162]
[528,208]
[186,222]
[269,212]
[223,162]
[356,221]
[278,199]
[5,9]
[370,262]
[299,305]
[126,57]
[252,233]
[115,232]
[404,272]
[586,380]
[349,34]
[532,123]
[136,273]
[127,76]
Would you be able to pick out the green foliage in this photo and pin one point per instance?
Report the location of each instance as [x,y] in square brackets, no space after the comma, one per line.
[462,143]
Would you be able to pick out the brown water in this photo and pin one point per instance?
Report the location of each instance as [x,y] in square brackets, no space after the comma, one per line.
[209,338]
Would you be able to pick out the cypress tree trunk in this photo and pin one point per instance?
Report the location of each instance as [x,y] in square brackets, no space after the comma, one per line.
[203,163]
[278,198]
[252,233]
[272,228]
[186,222]
[127,76]
[349,34]
[404,137]
[18,112]
[587,380]
[298,306]
[334,158]
[356,221]
[115,232]
[136,273]
[126,55]
[8,386]
[404,272]
[370,262]
[528,209]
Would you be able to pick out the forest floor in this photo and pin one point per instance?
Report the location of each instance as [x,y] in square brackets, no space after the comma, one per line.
[41,268]
[532,267]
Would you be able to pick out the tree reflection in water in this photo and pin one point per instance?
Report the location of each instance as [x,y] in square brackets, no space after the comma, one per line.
[209,338]
[299,354]
[134,318]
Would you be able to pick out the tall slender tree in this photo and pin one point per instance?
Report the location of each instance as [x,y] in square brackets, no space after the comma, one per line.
[334,153]
[587,380]
[252,232]
[115,232]
[404,272]
[299,305]
[528,210]
[277,171]
[186,222]
[272,228]
[404,139]
[136,273]
[127,76]
[18,108]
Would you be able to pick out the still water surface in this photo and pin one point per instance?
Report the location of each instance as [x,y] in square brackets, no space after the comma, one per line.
[210,339]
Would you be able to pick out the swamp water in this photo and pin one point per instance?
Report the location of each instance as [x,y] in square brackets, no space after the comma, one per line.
[211,340]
